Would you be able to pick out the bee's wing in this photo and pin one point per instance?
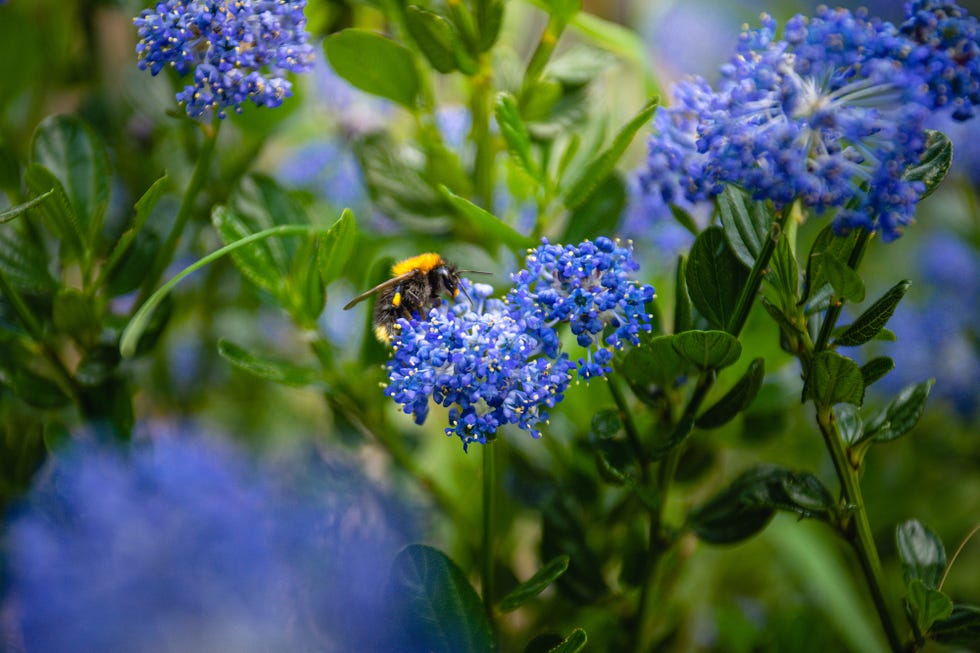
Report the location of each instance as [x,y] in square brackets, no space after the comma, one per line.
[394,281]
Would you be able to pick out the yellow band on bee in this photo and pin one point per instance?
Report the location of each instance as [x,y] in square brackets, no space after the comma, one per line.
[422,263]
[397,299]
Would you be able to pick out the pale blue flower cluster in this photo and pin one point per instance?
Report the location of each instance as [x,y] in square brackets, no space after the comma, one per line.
[833,114]
[494,362]
[188,545]
[237,50]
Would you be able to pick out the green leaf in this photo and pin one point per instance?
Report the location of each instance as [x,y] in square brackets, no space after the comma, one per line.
[15,212]
[375,64]
[715,277]
[574,643]
[579,65]
[305,283]
[600,214]
[485,223]
[436,608]
[682,303]
[57,212]
[928,604]
[934,164]
[73,314]
[847,283]
[873,320]
[961,628]
[563,532]
[515,134]
[38,391]
[876,368]
[563,10]
[904,411]
[746,506]
[396,182]
[25,263]
[280,372]
[708,350]
[257,261]
[596,172]
[827,242]
[785,272]
[833,379]
[746,223]
[434,35]
[606,424]
[489,16]
[654,362]
[736,399]
[337,247]
[76,156]
[849,422]
[922,552]
[144,207]
[534,585]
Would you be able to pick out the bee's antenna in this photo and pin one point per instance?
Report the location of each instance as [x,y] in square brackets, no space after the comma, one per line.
[467,296]
[475,272]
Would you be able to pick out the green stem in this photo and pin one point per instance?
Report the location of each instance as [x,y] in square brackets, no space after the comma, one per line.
[855,525]
[481,110]
[169,246]
[833,313]
[487,550]
[542,53]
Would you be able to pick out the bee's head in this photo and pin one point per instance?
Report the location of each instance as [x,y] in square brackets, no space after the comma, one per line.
[446,279]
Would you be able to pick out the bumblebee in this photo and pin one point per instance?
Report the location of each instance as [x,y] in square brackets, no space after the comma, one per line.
[417,285]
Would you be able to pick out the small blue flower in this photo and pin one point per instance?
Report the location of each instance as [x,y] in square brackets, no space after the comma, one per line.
[482,362]
[588,286]
[188,545]
[237,50]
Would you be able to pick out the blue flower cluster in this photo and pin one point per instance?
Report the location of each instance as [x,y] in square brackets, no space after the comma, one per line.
[237,50]
[831,115]
[188,545]
[494,362]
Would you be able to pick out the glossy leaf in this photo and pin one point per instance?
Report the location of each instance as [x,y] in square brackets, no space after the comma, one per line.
[600,167]
[485,222]
[534,585]
[654,362]
[57,212]
[257,261]
[25,263]
[144,207]
[76,156]
[928,604]
[961,628]
[715,277]
[834,379]
[784,273]
[574,643]
[901,414]
[934,164]
[375,64]
[436,608]
[746,223]
[337,247]
[874,319]
[682,303]
[736,399]
[434,35]
[826,243]
[876,368]
[707,350]
[922,553]
[277,371]
[849,422]
[15,212]
[847,283]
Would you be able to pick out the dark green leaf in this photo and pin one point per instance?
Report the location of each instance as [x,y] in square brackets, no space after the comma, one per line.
[826,242]
[486,223]
[74,314]
[849,422]
[600,214]
[564,533]
[306,289]
[785,273]
[277,371]
[715,277]
[394,179]
[15,212]
[873,320]
[515,134]
[599,168]
[833,379]
[847,283]
[57,212]
[606,423]
[922,552]
[904,411]
[934,164]
[436,608]
[434,35]
[961,628]
[38,391]
[746,223]
[876,368]
[489,20]
[144,207]
[25,263]
[534,585]
[735,400]
[76,156]
[257,261]
[574,643]
[543,643]
[708,350]
[682,303]
[654,362]
[337,247]
[929,604]
[375,64]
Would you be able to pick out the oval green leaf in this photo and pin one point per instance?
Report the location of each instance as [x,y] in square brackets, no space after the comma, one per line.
[715,277]
[707,350]
[534,585]
[873,320]
[922,552]
[934,164]
[736,399]
[834,379]
[375,64]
